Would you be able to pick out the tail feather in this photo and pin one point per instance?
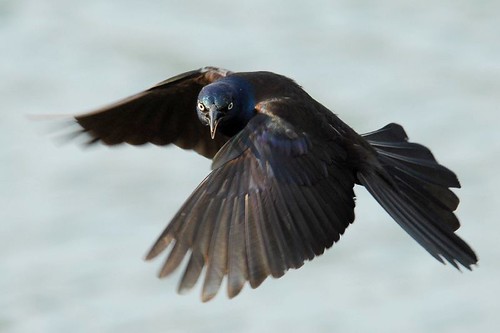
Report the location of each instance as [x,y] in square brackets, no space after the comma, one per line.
[414,189]
[394,149]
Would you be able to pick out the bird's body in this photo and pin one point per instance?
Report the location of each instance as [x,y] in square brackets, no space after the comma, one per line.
[284,167]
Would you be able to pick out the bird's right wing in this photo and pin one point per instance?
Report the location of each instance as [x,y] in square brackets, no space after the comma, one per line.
[163,114]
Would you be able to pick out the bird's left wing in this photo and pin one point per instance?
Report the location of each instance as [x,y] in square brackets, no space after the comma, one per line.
[275,198]
[163,114]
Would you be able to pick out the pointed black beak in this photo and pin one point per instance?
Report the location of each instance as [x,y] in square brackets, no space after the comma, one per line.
[215,116]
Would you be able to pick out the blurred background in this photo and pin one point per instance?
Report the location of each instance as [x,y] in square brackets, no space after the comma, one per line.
[76,223]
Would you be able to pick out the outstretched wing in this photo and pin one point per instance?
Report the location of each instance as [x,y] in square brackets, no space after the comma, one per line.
[275,198]
[163,114]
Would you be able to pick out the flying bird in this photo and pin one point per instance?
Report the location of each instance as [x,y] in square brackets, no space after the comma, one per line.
[283,170]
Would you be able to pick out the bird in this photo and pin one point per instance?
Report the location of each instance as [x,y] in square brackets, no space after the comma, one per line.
[281,186]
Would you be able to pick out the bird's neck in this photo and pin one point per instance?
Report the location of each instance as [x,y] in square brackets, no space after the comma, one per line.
[245,110]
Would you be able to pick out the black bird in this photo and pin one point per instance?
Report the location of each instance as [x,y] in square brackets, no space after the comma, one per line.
[281,187]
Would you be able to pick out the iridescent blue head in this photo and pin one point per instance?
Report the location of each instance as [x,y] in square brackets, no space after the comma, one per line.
[226,105]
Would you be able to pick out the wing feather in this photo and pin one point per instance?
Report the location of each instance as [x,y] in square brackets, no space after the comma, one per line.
[237,261]
[217,258]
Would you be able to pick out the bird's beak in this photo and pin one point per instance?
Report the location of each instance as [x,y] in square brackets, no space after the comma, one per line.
[215,117]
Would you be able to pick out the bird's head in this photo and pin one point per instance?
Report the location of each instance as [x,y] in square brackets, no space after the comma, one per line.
[226,106]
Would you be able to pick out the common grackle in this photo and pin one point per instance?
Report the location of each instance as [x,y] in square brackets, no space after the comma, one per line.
[281,187]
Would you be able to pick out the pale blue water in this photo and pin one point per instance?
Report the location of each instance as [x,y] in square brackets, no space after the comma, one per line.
[75,223]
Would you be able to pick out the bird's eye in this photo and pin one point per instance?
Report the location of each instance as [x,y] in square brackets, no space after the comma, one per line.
[230,106]
[201,107]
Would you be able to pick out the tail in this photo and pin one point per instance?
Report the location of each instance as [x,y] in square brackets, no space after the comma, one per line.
[414,189]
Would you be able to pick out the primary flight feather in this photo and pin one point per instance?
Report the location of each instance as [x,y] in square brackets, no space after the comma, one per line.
[283,170]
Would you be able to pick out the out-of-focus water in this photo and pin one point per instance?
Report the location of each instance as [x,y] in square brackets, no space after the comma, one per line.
[75,223]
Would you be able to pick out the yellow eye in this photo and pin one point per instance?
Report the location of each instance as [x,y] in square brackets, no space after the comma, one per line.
[201,107]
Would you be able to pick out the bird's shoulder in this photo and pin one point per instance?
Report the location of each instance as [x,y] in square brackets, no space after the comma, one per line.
[279,96]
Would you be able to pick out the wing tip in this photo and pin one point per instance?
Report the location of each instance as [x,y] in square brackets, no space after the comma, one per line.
[158,247]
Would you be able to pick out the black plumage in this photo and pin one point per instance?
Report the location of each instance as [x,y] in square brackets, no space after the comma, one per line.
[284,167]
